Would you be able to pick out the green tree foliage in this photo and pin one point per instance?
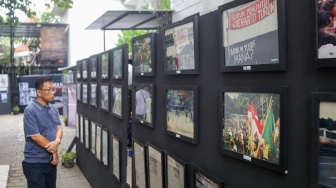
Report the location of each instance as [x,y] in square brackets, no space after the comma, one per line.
[328,123]
[47,17]
[125,37]
[10,8]
[239,104]
[165,5]
[63,4]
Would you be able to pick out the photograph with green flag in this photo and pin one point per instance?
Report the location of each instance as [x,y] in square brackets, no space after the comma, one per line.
[252,125]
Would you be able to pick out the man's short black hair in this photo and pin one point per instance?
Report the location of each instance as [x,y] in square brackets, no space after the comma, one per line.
[41,80]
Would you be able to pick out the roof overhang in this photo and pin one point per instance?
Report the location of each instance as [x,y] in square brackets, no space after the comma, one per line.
[132,20]
[25,29]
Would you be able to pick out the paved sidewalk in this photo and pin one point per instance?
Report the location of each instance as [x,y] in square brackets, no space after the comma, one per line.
[11,153]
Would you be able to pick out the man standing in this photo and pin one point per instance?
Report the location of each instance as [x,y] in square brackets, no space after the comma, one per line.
[140,98]
[43,134]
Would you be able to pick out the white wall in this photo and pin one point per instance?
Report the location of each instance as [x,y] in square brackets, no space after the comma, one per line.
[84,43]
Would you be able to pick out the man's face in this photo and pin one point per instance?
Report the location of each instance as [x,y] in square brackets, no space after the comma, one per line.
[47,92]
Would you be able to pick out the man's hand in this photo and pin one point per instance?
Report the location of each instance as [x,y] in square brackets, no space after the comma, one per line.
[52,147]
[55,160]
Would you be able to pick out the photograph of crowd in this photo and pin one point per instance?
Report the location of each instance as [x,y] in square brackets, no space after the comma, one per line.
[326,28]
[180,112]
[251,124]
[142,55]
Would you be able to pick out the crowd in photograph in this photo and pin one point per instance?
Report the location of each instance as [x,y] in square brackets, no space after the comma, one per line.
[238,136]
[326,21]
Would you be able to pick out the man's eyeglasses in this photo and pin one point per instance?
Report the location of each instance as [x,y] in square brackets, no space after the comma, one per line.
[49,90]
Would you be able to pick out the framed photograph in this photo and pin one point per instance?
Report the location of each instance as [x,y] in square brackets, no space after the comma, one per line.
[143,97]
[104,97]
[67,78]
[154,166]
[79,69]
[323,34]
[85,93]
[143,55]
[181,48]
[64,93]
[118,59]
[105,146]
[252,36]
[323,139]
[202,178]
[139,164]
[176,171]
[81,129]
[93,137]
[79,91]
[93,66]
[85,69]
[116,100]
[250,125]
[93,97]
[182,112]
[86,132]
[77,125]
[115,157]
[98,141]
[105,65]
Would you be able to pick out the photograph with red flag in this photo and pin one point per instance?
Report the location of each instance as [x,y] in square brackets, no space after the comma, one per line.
[251,124]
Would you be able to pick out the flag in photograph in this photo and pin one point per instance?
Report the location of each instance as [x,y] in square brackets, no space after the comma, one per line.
[269,131]
[256,126]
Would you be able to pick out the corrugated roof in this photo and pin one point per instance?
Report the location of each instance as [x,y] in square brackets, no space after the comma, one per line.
[25,29]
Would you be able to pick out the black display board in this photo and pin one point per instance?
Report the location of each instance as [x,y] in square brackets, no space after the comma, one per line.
[97,173]
[5,103]
[27,91]
[301,78]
